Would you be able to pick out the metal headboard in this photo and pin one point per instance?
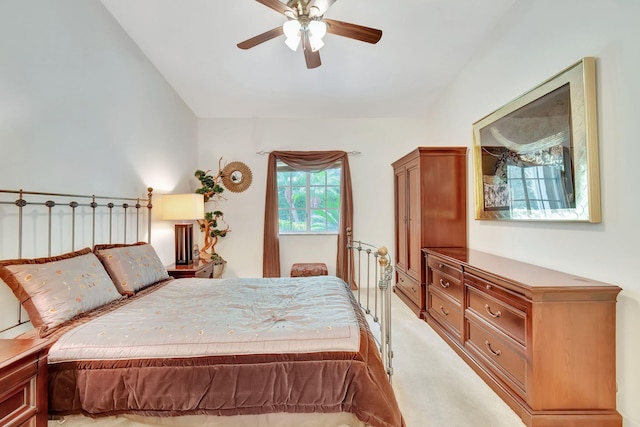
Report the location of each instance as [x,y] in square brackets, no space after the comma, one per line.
[71,221]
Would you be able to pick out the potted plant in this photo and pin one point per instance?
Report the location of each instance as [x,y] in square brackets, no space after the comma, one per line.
[213,225]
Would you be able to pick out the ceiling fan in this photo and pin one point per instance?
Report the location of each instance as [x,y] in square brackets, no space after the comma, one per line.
[306,24]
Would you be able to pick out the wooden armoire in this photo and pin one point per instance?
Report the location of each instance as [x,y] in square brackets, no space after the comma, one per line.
[430,211]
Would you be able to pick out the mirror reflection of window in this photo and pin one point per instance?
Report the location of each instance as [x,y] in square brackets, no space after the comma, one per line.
[537,188]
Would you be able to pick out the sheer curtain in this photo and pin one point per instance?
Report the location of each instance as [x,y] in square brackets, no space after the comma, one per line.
[308,161]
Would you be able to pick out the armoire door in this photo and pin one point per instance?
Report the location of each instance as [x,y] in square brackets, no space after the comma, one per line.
[414,210]
[401,219]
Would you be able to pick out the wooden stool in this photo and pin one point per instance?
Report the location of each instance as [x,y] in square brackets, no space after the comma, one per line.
[306,269]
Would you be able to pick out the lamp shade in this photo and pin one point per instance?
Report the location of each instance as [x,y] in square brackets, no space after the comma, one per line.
[183,207]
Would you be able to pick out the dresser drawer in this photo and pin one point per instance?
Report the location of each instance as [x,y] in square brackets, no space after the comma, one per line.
[446,312]
[444,267]
[447,284]
[410,288]
[502,316]
[498,355]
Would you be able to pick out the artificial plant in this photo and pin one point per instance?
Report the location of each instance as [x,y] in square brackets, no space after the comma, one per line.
[213,221]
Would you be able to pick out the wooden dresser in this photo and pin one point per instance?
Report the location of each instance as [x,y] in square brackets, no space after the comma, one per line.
[543,340]
[23,382]
[430,210]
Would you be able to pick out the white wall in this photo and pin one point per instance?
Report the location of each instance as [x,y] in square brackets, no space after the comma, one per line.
[534,41]
[83,111]
[381,141]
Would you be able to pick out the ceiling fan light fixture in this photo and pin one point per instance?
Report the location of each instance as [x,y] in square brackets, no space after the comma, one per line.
[293,42]
[318,29]
[291,28]
[316,43]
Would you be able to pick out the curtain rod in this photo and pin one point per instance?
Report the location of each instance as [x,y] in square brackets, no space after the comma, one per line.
[350,153]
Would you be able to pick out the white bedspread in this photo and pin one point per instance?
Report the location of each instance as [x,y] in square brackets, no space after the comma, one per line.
[198,317]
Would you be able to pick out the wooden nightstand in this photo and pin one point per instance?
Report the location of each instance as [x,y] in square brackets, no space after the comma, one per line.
[23,382]
[197,269]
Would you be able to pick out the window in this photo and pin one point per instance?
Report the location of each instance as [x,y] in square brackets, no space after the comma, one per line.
[537,188]
[308,202]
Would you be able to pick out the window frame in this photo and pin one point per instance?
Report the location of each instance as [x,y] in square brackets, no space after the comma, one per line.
[308,209]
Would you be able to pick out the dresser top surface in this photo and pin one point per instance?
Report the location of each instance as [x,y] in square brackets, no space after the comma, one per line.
[14,349]
[529,276]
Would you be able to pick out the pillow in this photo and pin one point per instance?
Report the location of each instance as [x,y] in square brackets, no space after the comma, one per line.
[55,289]
[131,267]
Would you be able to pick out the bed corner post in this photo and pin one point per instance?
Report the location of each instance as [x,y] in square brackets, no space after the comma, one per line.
[149,207]
[386,271]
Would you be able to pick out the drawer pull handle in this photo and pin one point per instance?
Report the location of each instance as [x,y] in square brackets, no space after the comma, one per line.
[494,352]
[445,312]
[491,313]
[440,266]
[444,284]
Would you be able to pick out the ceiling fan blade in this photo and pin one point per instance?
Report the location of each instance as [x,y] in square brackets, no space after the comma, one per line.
[312,58]
[321,7]
[353,31]
[277,6]
[261,38]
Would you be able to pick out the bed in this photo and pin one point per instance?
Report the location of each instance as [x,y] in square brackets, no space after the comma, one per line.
[129,340]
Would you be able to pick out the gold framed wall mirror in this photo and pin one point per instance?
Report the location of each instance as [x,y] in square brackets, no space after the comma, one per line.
[536,158]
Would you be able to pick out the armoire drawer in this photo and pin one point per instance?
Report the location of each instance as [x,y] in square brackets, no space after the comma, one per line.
[410,288]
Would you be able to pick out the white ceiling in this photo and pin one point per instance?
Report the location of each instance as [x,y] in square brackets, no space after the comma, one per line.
[193,44]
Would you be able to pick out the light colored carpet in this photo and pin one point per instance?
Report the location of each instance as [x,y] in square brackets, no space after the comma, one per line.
[434,387]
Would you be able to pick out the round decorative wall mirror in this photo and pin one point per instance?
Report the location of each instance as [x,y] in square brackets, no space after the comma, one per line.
[236,177]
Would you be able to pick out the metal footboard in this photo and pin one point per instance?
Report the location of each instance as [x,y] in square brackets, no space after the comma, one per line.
[370,270]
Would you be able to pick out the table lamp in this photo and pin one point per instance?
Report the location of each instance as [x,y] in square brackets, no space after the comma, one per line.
[183,207]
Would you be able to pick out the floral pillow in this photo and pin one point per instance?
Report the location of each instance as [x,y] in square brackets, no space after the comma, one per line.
[132,267]
[55,289]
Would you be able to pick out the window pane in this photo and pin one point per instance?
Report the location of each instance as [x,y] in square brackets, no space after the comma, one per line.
[283,223]
[299,219]
[308,202]
[333,177]
[283,178]
[318,220]
[298,197]
[317,197]
[284,197]
[333,197]
[333,219]
[284,214]
[318,178]
[299,178]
